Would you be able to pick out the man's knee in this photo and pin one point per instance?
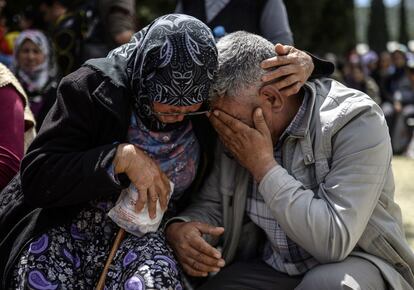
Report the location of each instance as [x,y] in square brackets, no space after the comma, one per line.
[351,274]
[318,281]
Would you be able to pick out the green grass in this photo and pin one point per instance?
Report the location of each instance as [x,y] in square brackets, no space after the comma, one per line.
[404,193]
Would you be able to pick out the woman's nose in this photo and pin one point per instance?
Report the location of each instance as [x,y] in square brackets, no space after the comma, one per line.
[31,55]
[179,118]
[172,119]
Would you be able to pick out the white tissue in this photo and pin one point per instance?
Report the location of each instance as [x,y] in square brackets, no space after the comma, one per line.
[126,217]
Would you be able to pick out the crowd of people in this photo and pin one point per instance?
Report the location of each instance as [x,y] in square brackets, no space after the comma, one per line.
[388,78]
[45,43]
[54,38]
[281,175]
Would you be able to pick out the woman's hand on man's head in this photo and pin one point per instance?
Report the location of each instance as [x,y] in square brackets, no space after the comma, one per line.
[290,69]
[152,184]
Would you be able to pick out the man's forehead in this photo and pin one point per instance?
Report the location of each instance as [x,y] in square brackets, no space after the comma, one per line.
[229,103]
[238,108]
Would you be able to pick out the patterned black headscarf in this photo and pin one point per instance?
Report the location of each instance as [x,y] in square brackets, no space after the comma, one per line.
[171,61]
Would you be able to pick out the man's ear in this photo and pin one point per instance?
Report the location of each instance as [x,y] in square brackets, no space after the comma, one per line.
[272,95]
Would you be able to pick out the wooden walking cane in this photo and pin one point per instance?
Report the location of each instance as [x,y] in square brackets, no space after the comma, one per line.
[119,237]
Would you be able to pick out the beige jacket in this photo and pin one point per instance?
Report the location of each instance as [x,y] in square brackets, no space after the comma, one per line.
[7,78]
[333,195]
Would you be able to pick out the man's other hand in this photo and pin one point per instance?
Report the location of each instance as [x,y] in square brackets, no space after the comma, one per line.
[196,256]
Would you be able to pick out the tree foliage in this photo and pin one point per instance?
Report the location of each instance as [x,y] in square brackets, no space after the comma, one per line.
[378,34]
[148,10]
[403,35]
[322,25]
[303,15]
[336,28]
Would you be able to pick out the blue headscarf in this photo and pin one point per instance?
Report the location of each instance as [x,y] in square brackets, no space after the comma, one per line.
[171,61]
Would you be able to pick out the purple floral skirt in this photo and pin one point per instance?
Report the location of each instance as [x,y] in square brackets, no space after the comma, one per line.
[72,256]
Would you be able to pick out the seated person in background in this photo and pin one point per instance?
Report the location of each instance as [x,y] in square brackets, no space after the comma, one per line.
[32,67]
[108,24]
[311,172]
[137,116]
[118,18]
[357,79]
[65,33]
[16,125]
[267,18]
[403,97]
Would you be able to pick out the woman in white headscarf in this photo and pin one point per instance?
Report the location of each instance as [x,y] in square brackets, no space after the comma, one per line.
[32,67]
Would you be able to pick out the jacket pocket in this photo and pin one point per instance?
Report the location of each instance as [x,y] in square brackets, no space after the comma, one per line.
[376,244]
[306,175]
[388,253]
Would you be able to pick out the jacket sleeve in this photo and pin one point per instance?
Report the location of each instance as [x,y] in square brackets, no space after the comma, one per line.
[64,165]
[206,205]
[322,68]
[328,224]
[274,23]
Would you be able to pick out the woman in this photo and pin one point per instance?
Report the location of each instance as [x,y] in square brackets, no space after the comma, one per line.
[116,120]
[33,69]
[102,110]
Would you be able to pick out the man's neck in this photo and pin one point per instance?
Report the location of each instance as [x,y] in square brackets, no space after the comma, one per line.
[292,108]
[296,102]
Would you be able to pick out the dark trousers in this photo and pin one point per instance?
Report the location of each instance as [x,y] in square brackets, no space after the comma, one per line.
[251,276]
[353,273]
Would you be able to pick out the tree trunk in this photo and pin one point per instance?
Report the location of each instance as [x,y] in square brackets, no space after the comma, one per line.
[377,28]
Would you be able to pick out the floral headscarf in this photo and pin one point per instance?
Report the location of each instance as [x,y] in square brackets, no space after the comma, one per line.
[171,61]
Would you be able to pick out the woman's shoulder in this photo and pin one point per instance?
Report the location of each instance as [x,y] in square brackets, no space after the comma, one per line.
[83,78]
[89,87]
[89,81]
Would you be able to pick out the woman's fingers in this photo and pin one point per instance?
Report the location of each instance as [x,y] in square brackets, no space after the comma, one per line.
[151,183]
[152,201]
[291,90]
[280,73]
[288,81]
[142,198]
[164,191]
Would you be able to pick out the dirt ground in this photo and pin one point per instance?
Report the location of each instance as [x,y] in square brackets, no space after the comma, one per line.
[404,193]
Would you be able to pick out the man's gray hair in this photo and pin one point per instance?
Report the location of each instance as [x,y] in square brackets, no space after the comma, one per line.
[240,54]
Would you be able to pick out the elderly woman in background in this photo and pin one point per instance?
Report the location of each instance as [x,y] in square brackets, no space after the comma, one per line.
[32,66]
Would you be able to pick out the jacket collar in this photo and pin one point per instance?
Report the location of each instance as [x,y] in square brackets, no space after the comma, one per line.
[302,130]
